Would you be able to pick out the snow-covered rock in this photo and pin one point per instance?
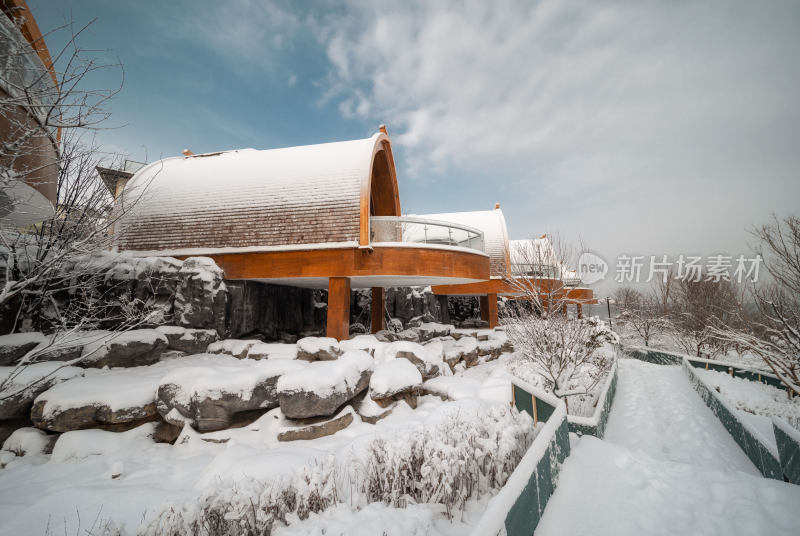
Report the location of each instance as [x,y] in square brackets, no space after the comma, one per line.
[115,399]
[431,330]
[318,429]
[322,387]
[235,347]
[138,347]
[207,397]
[464,349]
[429,361]
[81,444]
[191,341]
[368,343]
[318,349]
[201,297]
[13,347]
[272,350]
[392,378]
[28,383]
[29,441]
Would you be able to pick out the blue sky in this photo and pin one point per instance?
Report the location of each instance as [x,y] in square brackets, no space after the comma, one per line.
[651,127]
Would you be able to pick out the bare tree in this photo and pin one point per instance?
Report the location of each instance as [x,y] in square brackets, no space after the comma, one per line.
[642,313]
[560,350]
[699,306]
[50,279]
[774,334]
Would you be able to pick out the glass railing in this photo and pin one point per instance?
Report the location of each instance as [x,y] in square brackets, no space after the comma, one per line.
[544,271]
[423,231]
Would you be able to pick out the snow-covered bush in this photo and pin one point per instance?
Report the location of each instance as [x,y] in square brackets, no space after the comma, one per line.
[563,353]
[462,456]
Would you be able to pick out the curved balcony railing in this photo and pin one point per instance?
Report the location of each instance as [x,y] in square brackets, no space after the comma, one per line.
[544,271]
[423,231]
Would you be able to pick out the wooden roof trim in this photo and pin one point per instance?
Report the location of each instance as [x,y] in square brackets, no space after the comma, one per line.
[382,143]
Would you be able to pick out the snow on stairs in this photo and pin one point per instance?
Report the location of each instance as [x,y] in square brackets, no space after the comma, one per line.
[666,466]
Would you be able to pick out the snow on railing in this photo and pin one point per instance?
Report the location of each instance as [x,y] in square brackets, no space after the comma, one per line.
[424,231]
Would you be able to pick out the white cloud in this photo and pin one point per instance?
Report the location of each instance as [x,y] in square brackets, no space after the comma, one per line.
[644,107]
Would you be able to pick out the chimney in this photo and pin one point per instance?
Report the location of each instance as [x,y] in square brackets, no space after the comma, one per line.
[382,128]
[187,152]
[496,206]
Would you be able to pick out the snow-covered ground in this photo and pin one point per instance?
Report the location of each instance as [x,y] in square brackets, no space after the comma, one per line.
[124,480]
[667,466]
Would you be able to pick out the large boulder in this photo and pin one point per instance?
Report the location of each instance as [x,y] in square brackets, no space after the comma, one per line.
[191,341]
[207,397]
[28,383]
[429,361]
[133,348]
[320,389]
[464,349]
[14,347]
[368,343]
[201,296]
[318,349]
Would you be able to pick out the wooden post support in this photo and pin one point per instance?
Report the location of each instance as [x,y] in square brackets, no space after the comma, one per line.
[535,412]
[491,302]
[339,308]
[580,310]
[564,309]
[484,305]
[376,309]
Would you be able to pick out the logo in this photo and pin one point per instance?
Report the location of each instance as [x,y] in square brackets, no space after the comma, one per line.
[591,267]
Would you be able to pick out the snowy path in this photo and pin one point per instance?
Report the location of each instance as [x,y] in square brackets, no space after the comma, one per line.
[666,466]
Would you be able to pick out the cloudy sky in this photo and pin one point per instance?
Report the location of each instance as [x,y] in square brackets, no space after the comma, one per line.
[636,127]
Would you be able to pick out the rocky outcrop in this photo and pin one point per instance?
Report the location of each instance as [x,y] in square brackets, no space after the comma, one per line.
[14,347]
[133,348]
[209,397]
[201,296]
[190,341]
[323,387]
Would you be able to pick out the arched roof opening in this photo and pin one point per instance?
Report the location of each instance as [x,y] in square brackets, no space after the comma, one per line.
[249,200]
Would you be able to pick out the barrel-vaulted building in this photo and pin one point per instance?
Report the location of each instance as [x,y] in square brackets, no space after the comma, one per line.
[318,216]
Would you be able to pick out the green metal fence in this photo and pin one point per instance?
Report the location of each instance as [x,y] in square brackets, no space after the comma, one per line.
[596,424]
[518,507]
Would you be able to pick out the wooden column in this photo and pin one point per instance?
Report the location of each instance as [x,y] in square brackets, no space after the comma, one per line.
[484,305]
[580,310]
[339,308]
[564,309]
[491,309]
[376,309]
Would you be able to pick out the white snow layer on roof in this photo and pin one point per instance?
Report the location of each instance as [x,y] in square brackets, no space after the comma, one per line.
[249,197]
[495,234]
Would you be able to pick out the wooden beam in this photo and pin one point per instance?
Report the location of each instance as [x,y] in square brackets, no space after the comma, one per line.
[339,308]
[352,262]
[484,305]
[376,310]
[491,302]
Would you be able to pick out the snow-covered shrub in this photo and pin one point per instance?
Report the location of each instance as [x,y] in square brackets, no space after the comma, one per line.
[251,507]
[559,354]
[448,463]
[463,455]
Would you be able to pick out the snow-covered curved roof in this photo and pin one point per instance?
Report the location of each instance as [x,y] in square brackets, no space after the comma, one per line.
[247,198]
[495,234]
